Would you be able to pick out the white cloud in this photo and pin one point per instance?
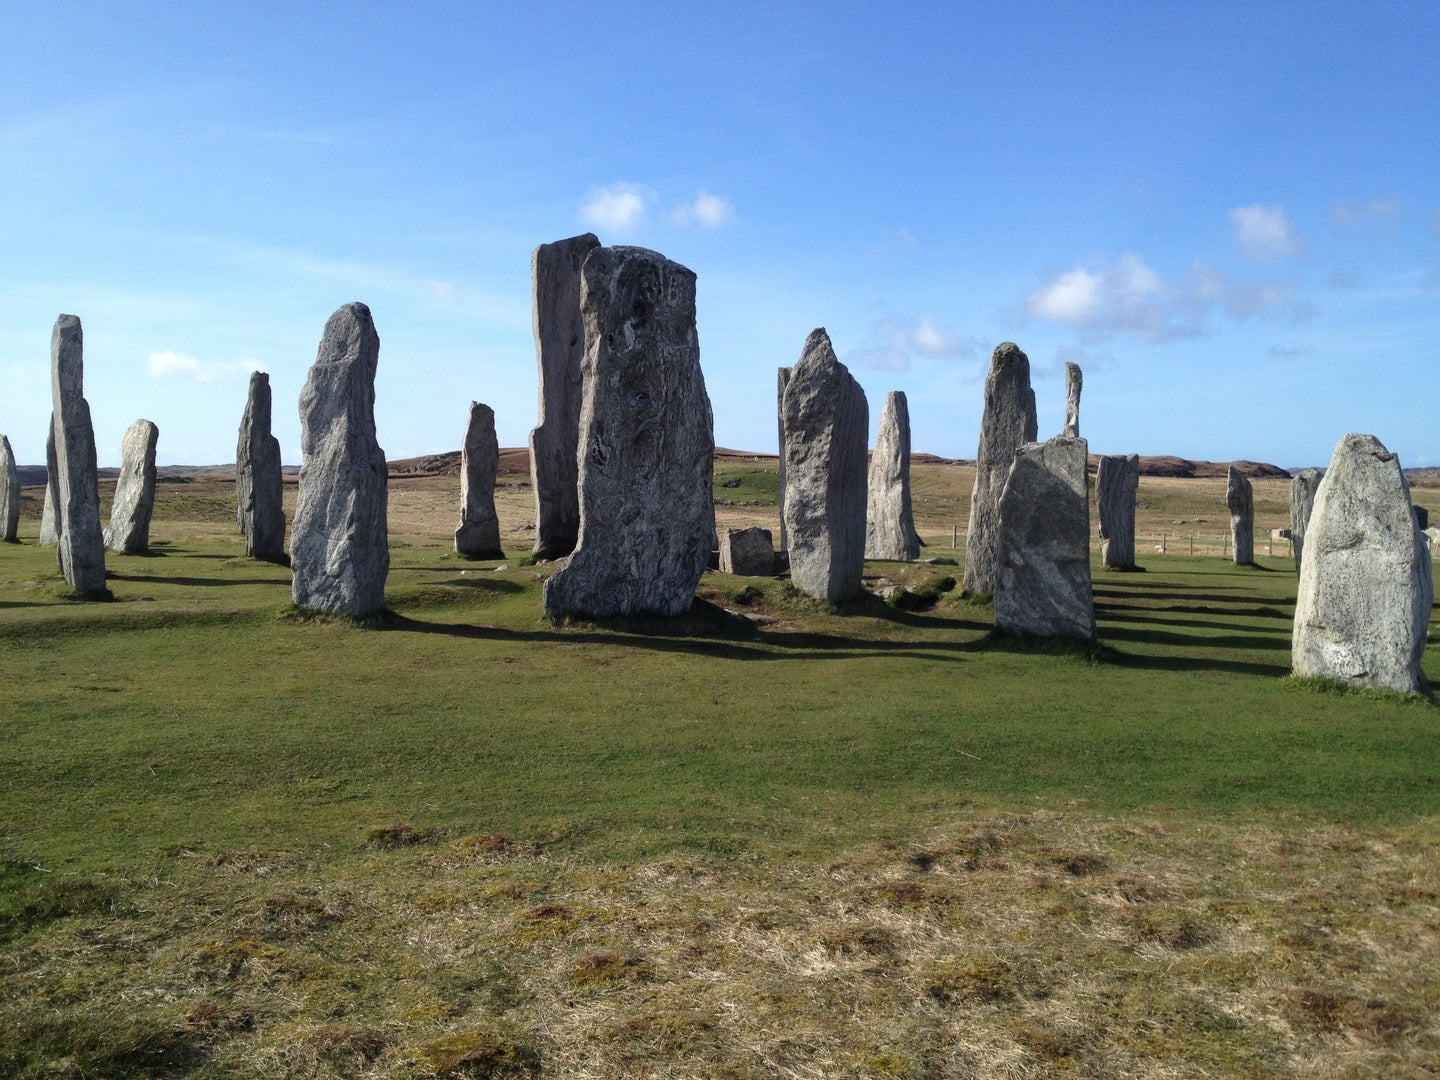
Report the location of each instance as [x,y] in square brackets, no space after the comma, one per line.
[1264,233]
[707,211]
[617,208]
[894,342]
[166,364]
[1382,214]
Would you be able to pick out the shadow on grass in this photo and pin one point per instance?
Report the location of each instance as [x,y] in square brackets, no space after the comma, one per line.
[157,579]
[1140,595]
[1281,622]
[1199,641]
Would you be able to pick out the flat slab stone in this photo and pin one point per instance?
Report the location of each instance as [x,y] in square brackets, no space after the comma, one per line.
[826,424]
[747,552]
[80,539]
[889,520]
[647,444]
[1042,586]
[1240,499]
[478,534]
[134,501]
[1366,590]
[259,483]
[1007,423]
[9,493]
[339,548]
[1116,481]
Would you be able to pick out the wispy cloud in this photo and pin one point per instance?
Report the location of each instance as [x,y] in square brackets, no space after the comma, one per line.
[1128,296]
[1379,214]
[1264,233]
[177,365]
[895,342]
[617,208]
[706,211]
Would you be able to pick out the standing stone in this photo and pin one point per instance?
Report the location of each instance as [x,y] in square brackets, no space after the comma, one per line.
[1422,518]
[782,380]
[77,492]
[747,552]
[826,424]
[1073,382]
[1365,587]
[478,534]
[1302,501]
[130,510]
[1240,498]
[1116,482]
[889,523]
[647,445]
[48,532]
[559,350]
[1007,424]
[259,486]
[1042,584]
[339,548]
[9,493]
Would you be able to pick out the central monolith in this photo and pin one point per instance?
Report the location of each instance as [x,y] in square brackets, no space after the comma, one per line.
[134,502]
[1240,499]
[1007,424]
[339,550]
[478,534]
[889,521]
[1116,481]
[74,479]
[259,484]
[647,445]
[1074,380]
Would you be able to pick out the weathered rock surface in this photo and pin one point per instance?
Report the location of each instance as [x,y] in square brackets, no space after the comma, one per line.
[134,502]
[259,487]
[1365,588]
[1074,380]
[48,533]
[478,534]
[559,350]
[1302,501]
[339,550]
[1008,423]
[1042,585]
[647,515]
[1240,499]
[782,379]
[1116,482]
[81,541]
[889,522]
[748,552]
[9,493]
[826,423]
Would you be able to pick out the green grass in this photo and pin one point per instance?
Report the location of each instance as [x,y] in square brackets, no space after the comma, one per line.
[747,485]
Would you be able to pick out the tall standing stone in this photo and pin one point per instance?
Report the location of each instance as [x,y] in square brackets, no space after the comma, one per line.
[1007,424]
[1074,380]
[77,492]
[134,502]
[889,521]
[339,548]
[826,422]
[1240,498]
[559,350]
[1116,481]
[259,484]
[1302,501]
[647,446]
[478,534]
[1365,589]
[782,379]
[48,532]
[9,493]
[1042,583]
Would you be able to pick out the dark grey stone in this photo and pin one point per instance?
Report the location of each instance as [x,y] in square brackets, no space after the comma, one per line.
[9,493]
[1007,424]
[826,423]
[647,447]
[1302,501]
[889,521]
[747,552]
[559,350]
[1116,482]
[81,541]
[1365,591]
[259,486]
[134,502]
[339,548]
[1240,499]
[478,534]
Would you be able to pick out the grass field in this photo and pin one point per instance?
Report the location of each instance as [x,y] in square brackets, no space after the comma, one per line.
[768,839]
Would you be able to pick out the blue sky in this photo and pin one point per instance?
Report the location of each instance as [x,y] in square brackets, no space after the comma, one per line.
[1228,214]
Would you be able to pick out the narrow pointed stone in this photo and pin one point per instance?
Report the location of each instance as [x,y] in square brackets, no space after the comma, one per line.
[134,502]
[1302,502]
[1116,482]
[81,541]
[259,483]
[9,493]
[48,531]
[1074,380]
[1007,424]
[478,534]
[782,379]
[889,520]
[1240,498]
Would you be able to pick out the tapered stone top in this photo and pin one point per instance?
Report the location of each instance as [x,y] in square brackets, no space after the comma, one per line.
[559,350]
[1074,380]
[782,380]
[1302,501]
[339,550]
[478,534]
[259,484]
[1007,424]
[647,445]
[889,521]
[826,424]
[1240,498]
[134,502]
[1366,590]
[9,493]
[80,539]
